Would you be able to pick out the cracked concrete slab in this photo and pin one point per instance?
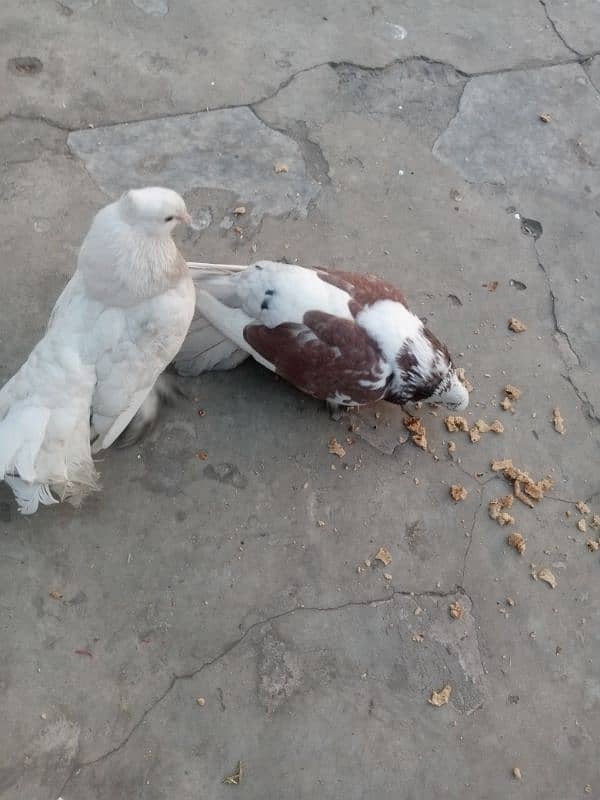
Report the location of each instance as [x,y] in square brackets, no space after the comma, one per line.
[138,61]
[577,22]
[229,150]
[242,572]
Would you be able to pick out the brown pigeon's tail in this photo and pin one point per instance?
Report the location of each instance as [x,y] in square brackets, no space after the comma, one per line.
[205,347]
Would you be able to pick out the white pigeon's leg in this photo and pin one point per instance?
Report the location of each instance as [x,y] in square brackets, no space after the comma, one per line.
[336,410]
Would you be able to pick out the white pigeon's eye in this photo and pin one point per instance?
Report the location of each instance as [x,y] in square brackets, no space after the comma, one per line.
[169,219]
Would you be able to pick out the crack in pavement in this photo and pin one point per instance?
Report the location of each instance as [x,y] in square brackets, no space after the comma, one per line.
[76,769]
[578,58]
[555,29]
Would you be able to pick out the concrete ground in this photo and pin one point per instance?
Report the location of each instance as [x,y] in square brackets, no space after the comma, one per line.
[418,147]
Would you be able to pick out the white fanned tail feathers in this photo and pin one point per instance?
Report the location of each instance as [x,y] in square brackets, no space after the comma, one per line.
[206,348]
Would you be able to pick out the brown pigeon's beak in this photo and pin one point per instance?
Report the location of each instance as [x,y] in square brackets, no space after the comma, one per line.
[186,218]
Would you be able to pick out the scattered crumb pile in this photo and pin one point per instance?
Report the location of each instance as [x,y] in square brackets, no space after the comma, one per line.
[383,555]
[456,610]
[512,395]
[458,492]
[454,423]
[460,374]
[516,326]
[525,488]
[440,698]
[559,423]
[544,574]
[497,512]
[482,427]
[336,449]
[414,425]
[517,540]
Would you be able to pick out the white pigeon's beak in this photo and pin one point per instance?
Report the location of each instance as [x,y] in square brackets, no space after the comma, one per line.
[186,218]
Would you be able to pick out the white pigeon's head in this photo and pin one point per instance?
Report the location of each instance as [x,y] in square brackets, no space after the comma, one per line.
[451,392]
[154,209]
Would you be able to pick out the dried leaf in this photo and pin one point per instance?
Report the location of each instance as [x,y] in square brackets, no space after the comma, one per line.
[582,525]
[336,449]
[456,610]
[455,423]
[559,423]
[544,574]
[417,431]
[281,167]
[55,595]
[512,391]
[458,492]
[383,555]
[516,325]
[582,507]
[517,540]
[236,777]
[440,698]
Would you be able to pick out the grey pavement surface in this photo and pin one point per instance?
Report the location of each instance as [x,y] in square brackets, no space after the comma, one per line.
[415,149]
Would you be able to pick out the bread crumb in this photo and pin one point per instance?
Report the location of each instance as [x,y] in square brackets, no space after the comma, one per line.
[440,698]
[201,701]
[281,167]
[510,601]
[559,423]
[517,540]
[496,510]
[545,117]
[474,435]
[456,610]
[202,455]
[460,374]
[495,427]
[417,431]
[525,488]
[383,555]
[387,576]
[512,391]
[336,449]
[55,595]
[451,447]
[458,492]
[592,545]
[596,521]
[506,404]
[517,773]
[544,574]
[417,637]
[582,525]
[454,423]
[240,210]
[516,326]
[582,507]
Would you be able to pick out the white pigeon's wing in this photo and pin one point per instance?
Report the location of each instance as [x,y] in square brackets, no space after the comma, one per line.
[141,342]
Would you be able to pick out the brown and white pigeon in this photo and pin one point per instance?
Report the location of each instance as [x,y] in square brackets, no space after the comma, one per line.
[342,337]
[116,326]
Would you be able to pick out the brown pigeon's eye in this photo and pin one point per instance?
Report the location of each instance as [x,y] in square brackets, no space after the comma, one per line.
[169,219]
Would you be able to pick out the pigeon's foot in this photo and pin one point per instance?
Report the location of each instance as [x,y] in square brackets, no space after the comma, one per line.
[336,410]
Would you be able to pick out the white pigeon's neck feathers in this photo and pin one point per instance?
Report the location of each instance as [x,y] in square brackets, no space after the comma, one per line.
[123,263]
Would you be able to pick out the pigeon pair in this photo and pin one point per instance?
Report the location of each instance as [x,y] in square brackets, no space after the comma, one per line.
[134,305]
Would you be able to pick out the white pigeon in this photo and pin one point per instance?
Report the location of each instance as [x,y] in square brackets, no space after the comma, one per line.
[346,338]
[116,326]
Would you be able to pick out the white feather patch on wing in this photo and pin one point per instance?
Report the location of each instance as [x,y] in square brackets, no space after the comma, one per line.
[230,321]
